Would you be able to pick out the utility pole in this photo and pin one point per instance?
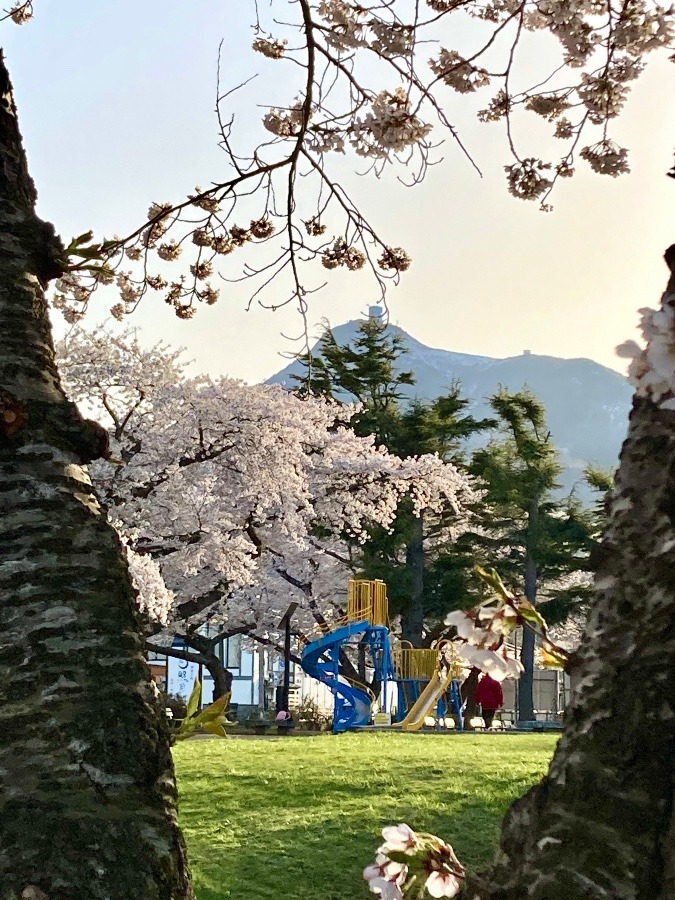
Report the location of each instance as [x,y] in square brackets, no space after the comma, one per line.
[261,678]
[286,623]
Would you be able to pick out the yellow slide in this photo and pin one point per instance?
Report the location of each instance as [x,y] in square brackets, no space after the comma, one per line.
[426,701]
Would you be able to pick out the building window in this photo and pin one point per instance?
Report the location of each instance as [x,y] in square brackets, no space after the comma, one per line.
[232,647]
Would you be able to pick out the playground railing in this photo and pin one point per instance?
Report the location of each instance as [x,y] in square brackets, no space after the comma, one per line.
[413,663]
[357,683]
[367,600]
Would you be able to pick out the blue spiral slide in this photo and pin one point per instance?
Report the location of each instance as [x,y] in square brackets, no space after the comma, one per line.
[321,660]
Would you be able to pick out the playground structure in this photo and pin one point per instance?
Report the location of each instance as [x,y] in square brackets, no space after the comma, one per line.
[424,679]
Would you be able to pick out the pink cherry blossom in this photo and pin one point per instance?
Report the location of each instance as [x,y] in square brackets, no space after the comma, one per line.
[442,884]
[399,839]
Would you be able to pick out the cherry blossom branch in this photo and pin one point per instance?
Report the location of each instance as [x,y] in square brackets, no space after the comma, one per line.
[340,110]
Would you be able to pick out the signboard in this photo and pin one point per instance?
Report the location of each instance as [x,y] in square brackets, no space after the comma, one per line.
[382,718]
[181,676]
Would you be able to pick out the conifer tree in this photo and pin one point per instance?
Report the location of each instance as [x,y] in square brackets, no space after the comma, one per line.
[364,372]
[531,536]
[368,371]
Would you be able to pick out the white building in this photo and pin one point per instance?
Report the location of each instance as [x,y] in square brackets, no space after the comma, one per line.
[257,672]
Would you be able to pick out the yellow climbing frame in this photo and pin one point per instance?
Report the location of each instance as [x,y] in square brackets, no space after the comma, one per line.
[422,664]
[367,600]
[410,662]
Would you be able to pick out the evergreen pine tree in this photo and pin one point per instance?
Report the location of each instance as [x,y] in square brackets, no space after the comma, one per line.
[367,371]
[533,538]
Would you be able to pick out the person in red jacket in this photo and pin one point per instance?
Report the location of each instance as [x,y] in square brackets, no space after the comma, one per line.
[490,696]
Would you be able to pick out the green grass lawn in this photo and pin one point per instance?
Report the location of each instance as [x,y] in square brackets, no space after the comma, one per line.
[300,817]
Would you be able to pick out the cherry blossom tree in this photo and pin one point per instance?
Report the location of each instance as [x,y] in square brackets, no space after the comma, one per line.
[373,82]
[231,498]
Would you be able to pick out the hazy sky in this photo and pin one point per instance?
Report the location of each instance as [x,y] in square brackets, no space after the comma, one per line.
[116,107]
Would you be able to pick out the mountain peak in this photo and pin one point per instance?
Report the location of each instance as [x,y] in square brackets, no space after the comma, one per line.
[586,403]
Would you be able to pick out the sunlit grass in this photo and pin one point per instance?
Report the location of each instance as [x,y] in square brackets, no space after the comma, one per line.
[300,817]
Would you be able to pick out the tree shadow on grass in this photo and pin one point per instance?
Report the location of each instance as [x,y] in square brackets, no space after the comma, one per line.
[324,861]
[288,820]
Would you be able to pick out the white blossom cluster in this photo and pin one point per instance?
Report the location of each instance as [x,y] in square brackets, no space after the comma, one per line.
[21,13]
[154,599]
[459,74]
[526,179]
[392,39]
[603,97]
[270,47]
[326,140]
[652,368]
[389,127]
[284,123]
[564,169]
[497,109]
[479,634]
[581,26]
[160,217]
[342,254]
[644,27]
[550,106]
[607,158]
[564,129]
[70,288]
[347,24]
[204,200]
[395,259]
[229,484]
[431,866]
[169,251]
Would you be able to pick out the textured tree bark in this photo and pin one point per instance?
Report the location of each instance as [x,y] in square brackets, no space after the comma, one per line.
[601,823]
[87,789]
[412,620]
[526,680]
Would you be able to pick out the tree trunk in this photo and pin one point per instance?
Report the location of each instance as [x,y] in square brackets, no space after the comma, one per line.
[361,659]
[412,619]
[261,679]
[222,677]
[601,825]
[467,693]
[87,788]
[526,680]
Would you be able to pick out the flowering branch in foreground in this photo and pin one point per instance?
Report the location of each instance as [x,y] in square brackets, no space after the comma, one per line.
[413,865]
[652,367]
[482,630]
[417,865]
